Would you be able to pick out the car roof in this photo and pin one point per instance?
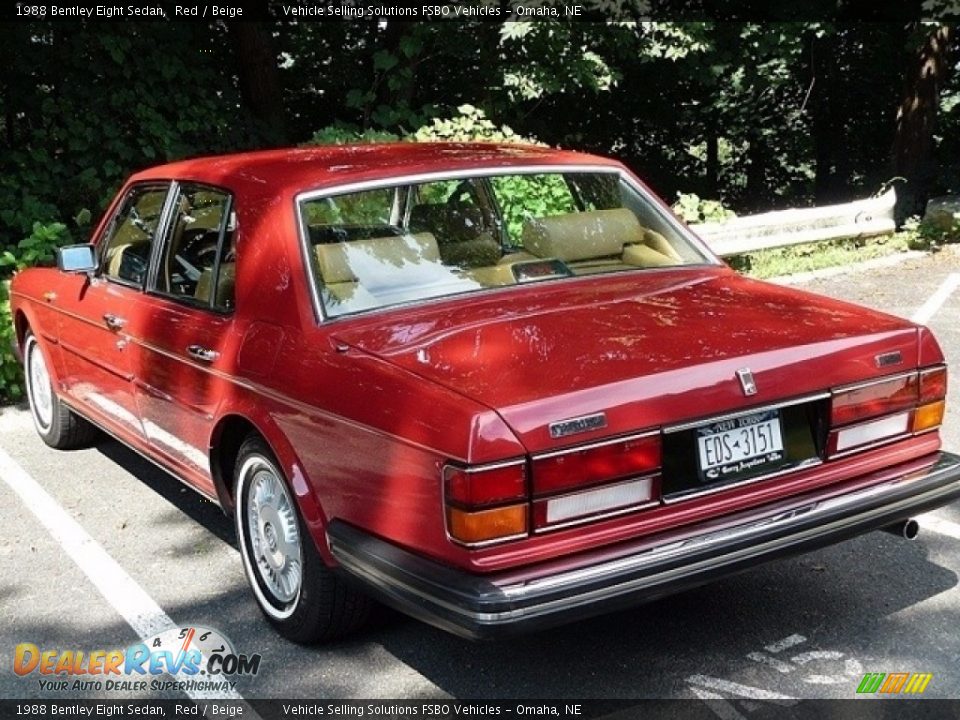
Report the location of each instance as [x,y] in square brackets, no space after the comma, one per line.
[293,170]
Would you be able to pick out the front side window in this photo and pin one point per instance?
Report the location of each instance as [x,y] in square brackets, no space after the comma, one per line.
[405,243]
[126,246]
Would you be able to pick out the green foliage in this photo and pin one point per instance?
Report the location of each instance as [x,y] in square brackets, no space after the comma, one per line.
[469,125]
[816,256]
[693,209]
[11,375]
[524,196]
[576,66]
[343,134]
[36,249]
[932,232]
[80,110]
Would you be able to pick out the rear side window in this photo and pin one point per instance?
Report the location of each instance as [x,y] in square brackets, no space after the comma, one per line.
[197,257]
[126,245]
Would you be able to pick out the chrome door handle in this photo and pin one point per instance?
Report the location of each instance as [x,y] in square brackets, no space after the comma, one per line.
[114,322]
[201,353]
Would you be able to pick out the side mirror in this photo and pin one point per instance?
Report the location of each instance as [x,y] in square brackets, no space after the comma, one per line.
[77,258]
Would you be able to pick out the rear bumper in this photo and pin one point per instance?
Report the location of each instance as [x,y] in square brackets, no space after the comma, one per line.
[478,606]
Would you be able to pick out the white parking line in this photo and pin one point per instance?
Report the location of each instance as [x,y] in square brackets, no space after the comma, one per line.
[939,525]
[120,590]
[935,301]
[788,642]
[739,690]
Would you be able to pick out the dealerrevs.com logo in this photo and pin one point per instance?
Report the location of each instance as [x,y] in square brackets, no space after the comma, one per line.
[198,658]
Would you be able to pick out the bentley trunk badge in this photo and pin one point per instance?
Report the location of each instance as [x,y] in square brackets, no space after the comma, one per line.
[747,382]
[577,425]
[890,358]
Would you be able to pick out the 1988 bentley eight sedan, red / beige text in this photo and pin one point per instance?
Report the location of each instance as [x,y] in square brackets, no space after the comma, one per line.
[497,387]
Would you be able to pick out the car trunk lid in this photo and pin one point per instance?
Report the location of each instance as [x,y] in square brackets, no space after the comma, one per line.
[637,351]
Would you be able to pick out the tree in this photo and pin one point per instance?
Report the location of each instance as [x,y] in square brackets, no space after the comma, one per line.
[913,145]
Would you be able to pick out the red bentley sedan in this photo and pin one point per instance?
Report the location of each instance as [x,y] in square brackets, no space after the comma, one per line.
[497,387]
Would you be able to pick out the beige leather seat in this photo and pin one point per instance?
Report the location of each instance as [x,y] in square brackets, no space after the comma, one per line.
[343,265]
[225,288]
[115,256]
[598,238]
[574,237]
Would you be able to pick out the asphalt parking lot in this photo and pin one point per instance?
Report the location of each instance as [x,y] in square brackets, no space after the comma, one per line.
[807,627]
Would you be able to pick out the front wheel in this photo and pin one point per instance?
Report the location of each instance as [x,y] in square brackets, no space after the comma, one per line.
[300,596]
[58,426]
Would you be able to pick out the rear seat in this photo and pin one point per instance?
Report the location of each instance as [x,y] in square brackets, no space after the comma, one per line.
[597,238]
[342,265]
[459,228]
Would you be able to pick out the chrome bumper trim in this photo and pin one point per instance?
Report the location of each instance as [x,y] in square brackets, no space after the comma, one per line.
[475,605]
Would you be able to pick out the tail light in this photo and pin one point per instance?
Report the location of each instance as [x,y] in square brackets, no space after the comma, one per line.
[586,483]
[933,393]
[595,463]
[486,504]
[886,409]
[493,503]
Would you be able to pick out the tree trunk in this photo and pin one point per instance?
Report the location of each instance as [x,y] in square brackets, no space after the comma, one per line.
[259,80]
[827,108]
[913,143]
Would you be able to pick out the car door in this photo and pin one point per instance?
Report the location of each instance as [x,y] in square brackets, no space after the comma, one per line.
[181,367]
[96,313]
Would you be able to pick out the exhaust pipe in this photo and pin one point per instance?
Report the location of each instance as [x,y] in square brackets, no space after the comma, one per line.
[907,529]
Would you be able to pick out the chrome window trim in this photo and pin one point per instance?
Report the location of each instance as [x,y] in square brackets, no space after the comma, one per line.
[484,467]
[710,258]
[152,288]
[746,411]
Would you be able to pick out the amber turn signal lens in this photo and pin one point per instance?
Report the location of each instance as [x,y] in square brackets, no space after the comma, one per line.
[929,416]
[486,525]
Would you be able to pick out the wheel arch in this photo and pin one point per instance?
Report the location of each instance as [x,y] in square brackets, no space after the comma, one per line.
[225,441]
[20,326]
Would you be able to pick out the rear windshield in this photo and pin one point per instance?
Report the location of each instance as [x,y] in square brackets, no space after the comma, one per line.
[411,242]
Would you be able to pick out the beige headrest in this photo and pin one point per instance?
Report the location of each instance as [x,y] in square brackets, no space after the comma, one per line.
[334,259]
[578,236]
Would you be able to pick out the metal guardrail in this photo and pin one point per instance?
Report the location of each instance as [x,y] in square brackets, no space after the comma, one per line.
[861,218]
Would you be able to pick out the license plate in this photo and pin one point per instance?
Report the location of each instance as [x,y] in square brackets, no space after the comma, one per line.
[739,447]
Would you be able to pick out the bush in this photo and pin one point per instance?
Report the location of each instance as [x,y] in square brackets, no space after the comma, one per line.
[341,134]
[694,210]
[37,249]
[470,125]
[931,233]
[11,374]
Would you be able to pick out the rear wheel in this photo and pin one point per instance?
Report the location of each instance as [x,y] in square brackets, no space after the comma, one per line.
[58,426]
[301,597]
